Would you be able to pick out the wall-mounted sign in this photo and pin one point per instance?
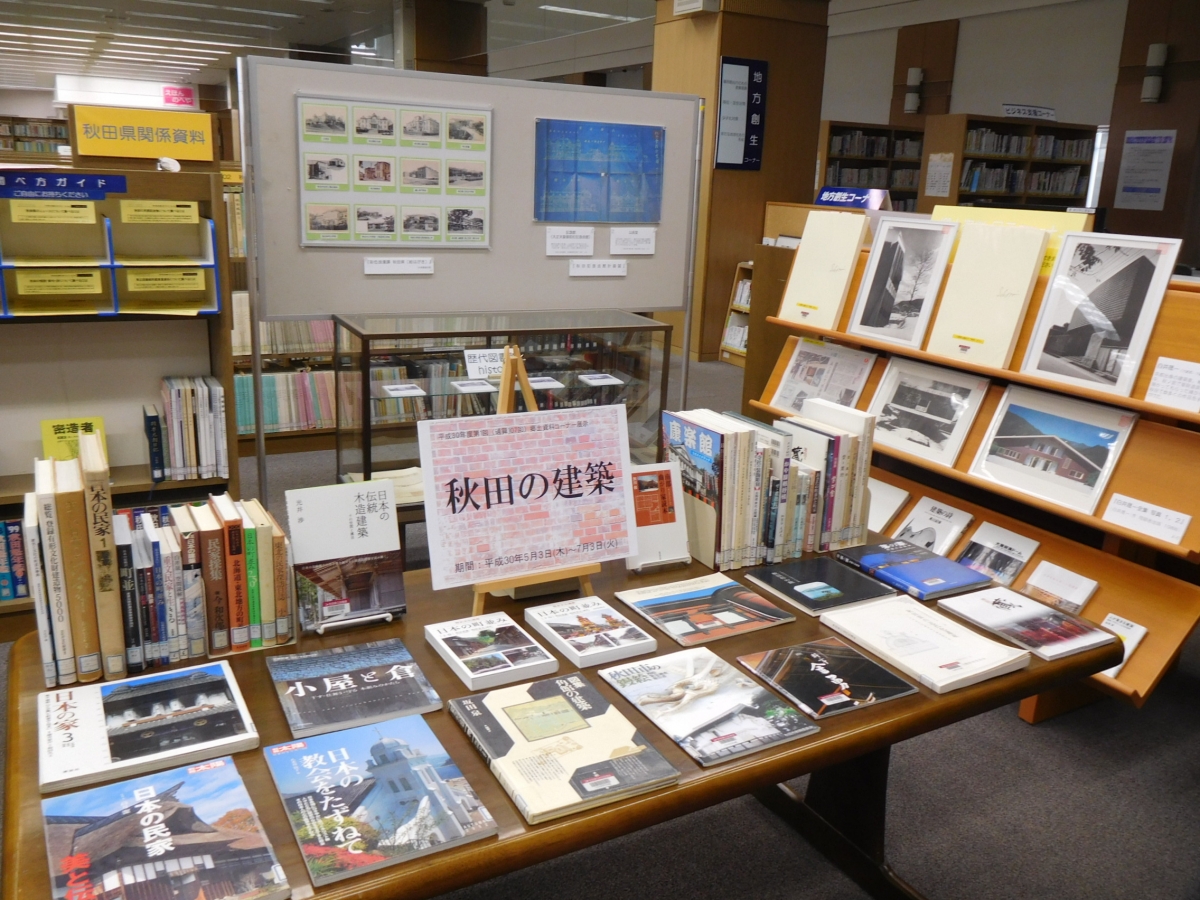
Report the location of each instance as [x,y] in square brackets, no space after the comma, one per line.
[1025,111]
[1145,169]
[742,113]
[98,90]
[854,198]
[142,133]
[687,7]
[59,186]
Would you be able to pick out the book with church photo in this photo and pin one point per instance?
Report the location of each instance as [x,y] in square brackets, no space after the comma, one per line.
[374,796]
[1099,310]
[191,831]
[704,609]
[357,684]
[94,732]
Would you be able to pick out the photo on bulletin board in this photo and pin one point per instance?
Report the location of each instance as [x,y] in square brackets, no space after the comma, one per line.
[598,172]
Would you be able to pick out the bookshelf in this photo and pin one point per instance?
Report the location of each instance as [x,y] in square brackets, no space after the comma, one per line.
[1150,581]
[66,355]
[857,154]
[737,319]
[27,137]
[1009,162]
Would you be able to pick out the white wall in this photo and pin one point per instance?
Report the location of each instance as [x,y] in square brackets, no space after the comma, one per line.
[34,104]
[858,76]
[1064,56]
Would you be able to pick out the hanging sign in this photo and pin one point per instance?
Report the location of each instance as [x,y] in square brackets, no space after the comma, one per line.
[742,113]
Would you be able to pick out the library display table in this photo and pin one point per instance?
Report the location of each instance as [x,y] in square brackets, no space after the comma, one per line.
[843,813]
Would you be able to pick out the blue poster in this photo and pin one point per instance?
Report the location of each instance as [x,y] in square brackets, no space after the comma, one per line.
[598,172]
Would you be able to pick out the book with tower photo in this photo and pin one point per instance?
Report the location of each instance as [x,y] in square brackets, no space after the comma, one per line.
[589,632]
[489,650]
[352,685]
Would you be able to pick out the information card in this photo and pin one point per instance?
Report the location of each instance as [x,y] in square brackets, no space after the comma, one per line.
[1147,518]
[562,241]
[631,241]
[1176,383]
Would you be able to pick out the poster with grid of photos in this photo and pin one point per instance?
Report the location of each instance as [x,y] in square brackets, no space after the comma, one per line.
[401,174]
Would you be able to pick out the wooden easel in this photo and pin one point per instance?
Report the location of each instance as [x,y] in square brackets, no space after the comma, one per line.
[512,374]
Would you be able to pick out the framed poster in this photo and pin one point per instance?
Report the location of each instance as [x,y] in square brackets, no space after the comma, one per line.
[926,410]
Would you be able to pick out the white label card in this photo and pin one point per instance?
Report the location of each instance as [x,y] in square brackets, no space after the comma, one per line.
[482,363]
[631,241]
[577,241]
[542,383]
[403,390]
[599,268]
[937,175]
[1146,518]
[1176,383]
[599,379]
[397,265]
[475,387]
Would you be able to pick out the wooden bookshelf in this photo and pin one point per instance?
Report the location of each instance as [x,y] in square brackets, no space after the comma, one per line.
[951,134]
[738,315]
[901,171]
[123,481]
[29,139]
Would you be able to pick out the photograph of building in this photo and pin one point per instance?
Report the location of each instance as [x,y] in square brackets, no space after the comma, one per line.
[420,172]
[464,221]
[328,218]
[1051,446]
[494,648]
[420,125]
[465,128]
[376,219]
[324,120]
[584,632]
[994,563]
[923,411]
[906,275]
[465,174]
[356,584]
[421,220]
[325,168]
[374,122]
[374,171]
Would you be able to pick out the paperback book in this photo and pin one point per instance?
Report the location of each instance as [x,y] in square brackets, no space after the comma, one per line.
[706,706]
[934,525]
[658,505]
[912,569]
[558,746]
[191,831]
[886,501]
[1059,587]
[374,796]
[818,584]
[96,732]
[343,687]
[998,553]
[826,677]
[704,609]
[1131,635]
[489,650]
[1040,629]
[589,632]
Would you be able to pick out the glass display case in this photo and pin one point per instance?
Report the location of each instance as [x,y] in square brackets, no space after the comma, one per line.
[392,371]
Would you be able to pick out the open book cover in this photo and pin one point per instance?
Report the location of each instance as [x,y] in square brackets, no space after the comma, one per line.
[706,705]
[192,831]
[374,796]
[704,609]
[341,687]
[558,746]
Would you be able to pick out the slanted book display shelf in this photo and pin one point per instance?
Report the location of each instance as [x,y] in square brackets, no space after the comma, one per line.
[154,302]
[1157,466]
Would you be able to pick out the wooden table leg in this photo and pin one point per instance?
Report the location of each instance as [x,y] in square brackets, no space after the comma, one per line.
[843,814]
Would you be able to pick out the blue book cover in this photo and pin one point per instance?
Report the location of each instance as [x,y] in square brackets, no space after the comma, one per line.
[698,452]
[591,197]
[16,559]
[912,569]
[373,796]
[6,580]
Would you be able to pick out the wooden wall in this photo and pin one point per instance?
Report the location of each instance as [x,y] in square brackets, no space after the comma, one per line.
[451,36]
[933,47]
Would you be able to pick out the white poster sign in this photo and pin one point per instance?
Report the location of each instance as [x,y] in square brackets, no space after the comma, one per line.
[733,117]
[574,241]
[1145,169]
[937,174]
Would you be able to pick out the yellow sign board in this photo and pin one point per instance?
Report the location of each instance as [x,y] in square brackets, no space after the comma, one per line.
[1057,223]
[165,280]
[230,177]
[37,212]
[60,437]
[59,281]
[160,212]
[142,133]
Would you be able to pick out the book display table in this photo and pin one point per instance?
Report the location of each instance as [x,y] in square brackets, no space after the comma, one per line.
[844,812]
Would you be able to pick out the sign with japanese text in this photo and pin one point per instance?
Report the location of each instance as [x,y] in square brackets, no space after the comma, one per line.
[1025,111]
[60,437]
[741,114]
[59,186]
[853,198]
[142,133]
[515,494]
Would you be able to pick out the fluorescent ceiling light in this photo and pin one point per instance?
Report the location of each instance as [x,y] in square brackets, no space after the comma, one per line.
[143,15]
[588,12]
[238,9]
[201,50]
[41,3]
[46,37]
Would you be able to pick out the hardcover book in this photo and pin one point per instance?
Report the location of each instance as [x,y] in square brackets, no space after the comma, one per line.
[934,525]
[823,268]
[826,677]
[886,501]
[1040,629]
[698,451]
[192,831]
[343,687]
[998,553]
[96,732]
[706,705]
[589,632]
[704,609]
[912,569]
[489,650]
[373,796]
[658,504]
[818,584]
[558,746]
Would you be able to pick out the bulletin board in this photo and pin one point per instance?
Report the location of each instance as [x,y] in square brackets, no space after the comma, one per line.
[287,105]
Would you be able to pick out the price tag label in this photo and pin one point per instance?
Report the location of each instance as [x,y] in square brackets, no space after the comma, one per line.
[1147,518]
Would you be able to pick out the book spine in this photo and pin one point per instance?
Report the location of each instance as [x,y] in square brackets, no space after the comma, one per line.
[216,599]
[235,577]
[464,722]
[831,493]
[164,606]
[175,576]
[253,598]
[16,560]
[105,577]
[56,590]
[193,591]
[77,576]
[6,580]
[283,619]
[154,439]
[131,614]
[41,603]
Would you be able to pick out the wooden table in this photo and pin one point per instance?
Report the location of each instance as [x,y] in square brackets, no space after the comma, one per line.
[843,813]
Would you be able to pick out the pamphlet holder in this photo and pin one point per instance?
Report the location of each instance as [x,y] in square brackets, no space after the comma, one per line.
[511,375]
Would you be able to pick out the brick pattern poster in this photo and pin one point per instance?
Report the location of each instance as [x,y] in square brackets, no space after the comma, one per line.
[527,492]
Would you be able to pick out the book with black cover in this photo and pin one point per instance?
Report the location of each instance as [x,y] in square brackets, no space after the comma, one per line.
[912,569]
[826,677]
[818,584]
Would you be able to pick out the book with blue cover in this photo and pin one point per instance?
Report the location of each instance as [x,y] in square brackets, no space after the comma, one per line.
[913,570]
[698,451]
[373,796]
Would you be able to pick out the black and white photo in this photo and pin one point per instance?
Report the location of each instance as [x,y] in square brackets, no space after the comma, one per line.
[926,410]
[374,122]
[464,221]
[934,525]
[326,171]
[420,172]
[375,219]
[1101,306]
[421,220]
[466,128]
[322,217]
[324,120]
[420,125]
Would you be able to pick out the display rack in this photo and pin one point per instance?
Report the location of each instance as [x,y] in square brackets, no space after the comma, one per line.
[1157,466]
[952,134]
[846,150]
[733,342]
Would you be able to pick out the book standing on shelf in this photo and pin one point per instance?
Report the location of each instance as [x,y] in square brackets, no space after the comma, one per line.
[1131,635]
[213,574]
[1059,587]
[823,268]
[998,553]
[658,506]
[233,545]
[934,525]
[886,501]
[48,633]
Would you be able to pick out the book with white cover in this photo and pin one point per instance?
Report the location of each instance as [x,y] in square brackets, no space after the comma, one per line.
[1040,629]
[886,501]
[823,268]
[937,651]
[934,525]
[987,293]
[862,426]
[588,631]
[662,533]
[998,553]
[489,650]
[1059,587]
[1131,635]
[116,729]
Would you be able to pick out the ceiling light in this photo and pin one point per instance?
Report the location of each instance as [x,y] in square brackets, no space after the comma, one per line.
[238,9]
[47,37]
[142,15]
[94,9]
[588,12]
[136,46]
